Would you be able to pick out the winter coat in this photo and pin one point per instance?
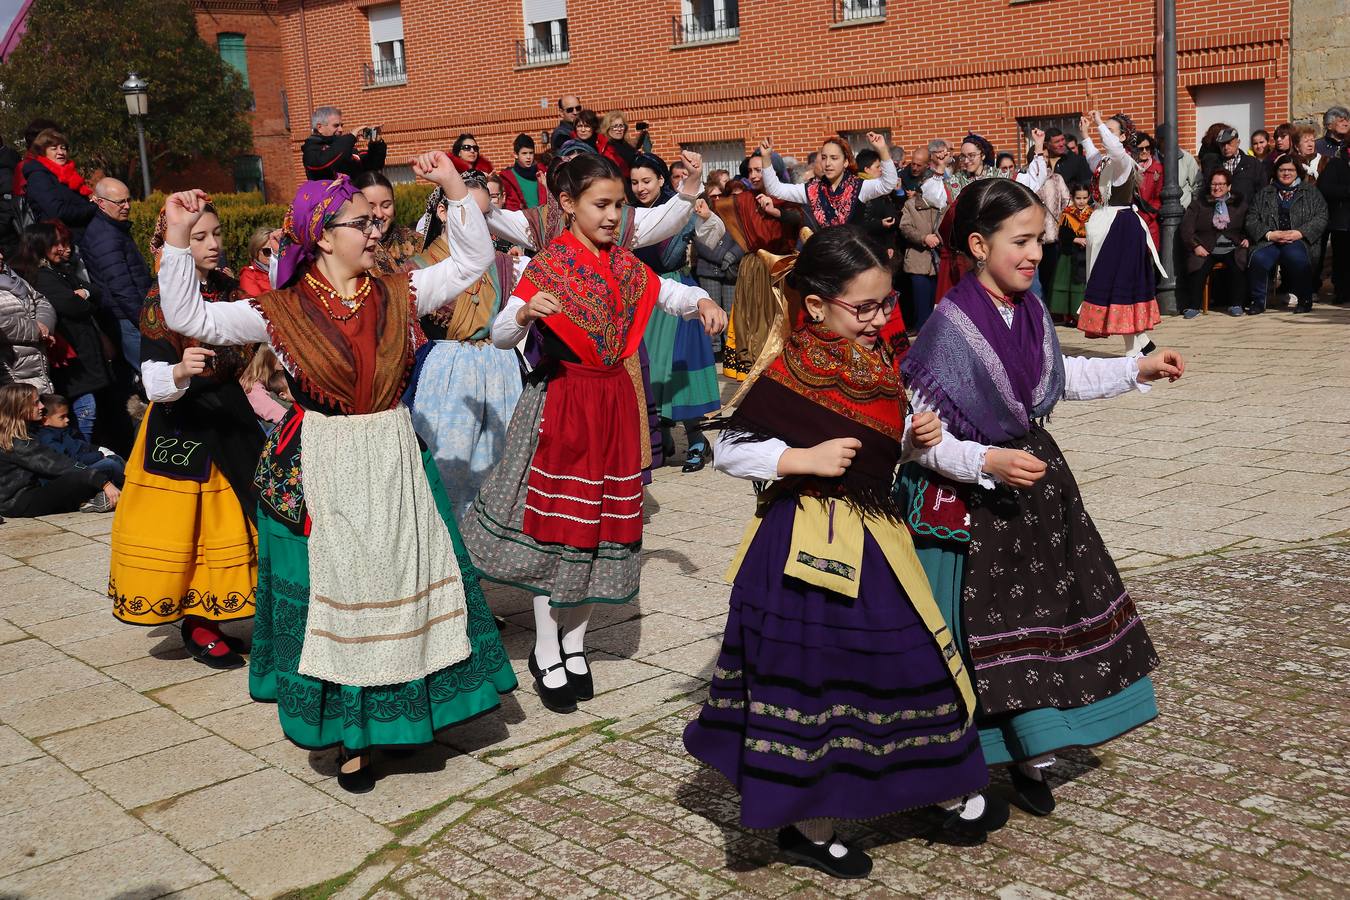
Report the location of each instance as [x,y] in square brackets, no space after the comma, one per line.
[1307,214]
[562,134]
[1197,230]
[919,219]
[722,262]
[50,199]
[10,227]
[1247,178]
[513,197]
[254,282]
[67,444]
[24,468]
[89,371]
[116,267]
[327,157]
[24,352]
[1334,183]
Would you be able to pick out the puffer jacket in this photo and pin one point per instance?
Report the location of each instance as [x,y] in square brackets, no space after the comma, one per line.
[1307,214]
[116,267]
[25,467]
[24,352]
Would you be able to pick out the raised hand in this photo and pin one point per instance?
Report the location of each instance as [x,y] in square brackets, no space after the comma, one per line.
[185,208]
[1038,139]
[435,166]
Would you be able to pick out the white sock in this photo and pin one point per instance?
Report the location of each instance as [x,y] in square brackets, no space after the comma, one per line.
[1135,343]
[973,807]
[574,622]
[546,649]
[818,831]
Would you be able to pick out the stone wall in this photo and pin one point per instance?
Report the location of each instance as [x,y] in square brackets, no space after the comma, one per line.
[1319,64]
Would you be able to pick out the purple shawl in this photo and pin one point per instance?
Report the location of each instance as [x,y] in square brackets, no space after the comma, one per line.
[988,382]
[316,205]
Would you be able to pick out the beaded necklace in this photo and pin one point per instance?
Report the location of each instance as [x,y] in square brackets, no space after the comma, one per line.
[326,292]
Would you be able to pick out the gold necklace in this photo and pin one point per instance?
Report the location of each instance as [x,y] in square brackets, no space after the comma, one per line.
[352,303]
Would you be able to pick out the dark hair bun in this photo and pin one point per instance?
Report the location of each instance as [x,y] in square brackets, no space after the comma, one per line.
[984,206]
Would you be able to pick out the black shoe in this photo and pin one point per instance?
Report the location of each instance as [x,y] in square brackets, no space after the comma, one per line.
[582,685]
[562,699]
[696,458]
[667,447]
[203,654]
[1303,308]
[798,848]
[1256,309]
[1034,796]
[1148,348]
[362,781]
[994,817]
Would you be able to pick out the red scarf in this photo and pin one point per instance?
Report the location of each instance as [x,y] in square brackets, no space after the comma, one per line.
[606,298]
[66,174]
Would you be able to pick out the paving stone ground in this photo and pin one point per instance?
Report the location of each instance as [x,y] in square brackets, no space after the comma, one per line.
[128,770]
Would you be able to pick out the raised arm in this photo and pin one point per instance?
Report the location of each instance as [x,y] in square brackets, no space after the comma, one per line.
[654,224]
[882,185]
[471,254]
[185,312]
[511,225]
[788,193]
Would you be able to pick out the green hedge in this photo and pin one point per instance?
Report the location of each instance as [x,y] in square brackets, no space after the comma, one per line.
[240,214]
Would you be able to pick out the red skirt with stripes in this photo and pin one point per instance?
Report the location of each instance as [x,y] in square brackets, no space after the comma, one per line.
[585,481]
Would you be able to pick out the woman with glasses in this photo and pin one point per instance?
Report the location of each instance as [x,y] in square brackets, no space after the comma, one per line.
[466,155]
[611,141]
[1150,184]
[372,630]
[183,539]
[838,692]
[256,278]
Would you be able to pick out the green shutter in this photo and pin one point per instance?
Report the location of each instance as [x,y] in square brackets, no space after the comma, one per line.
[231,47]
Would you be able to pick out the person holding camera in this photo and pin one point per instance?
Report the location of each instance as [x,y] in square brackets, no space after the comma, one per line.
[330,151]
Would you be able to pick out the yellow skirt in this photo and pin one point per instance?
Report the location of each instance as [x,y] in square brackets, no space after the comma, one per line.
[180,548]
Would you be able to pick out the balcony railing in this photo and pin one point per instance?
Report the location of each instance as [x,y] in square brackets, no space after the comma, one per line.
[858,10]
[702,28]
[385,72]
[531,52]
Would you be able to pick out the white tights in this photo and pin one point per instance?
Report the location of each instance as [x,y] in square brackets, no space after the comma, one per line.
[549,646]
[1135,343]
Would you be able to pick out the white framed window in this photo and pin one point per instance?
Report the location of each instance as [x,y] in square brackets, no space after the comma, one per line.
[546,40]
[857,140]
[719,155]
[387,63]
[859,10]
[704,21]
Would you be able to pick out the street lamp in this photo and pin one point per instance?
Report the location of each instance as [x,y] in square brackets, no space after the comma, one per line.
[136,93]
[1171,213]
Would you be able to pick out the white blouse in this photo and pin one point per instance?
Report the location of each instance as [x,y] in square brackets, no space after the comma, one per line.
[934,188]
[651,225]
[1119,162]
[676,298]
[758,460]
[237,322]
[872,188]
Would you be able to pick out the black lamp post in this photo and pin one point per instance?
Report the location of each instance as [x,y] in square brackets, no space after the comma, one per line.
[137,94]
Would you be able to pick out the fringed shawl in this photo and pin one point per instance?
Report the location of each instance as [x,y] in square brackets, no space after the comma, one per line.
[821,387]
[967,365]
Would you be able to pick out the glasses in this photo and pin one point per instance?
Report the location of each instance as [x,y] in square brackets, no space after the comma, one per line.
[125,202]
[866,312]
[572,109]
[971,156]
[473,147]
[266,252]
[364,224]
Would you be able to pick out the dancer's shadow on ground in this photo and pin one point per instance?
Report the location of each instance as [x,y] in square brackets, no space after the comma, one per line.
[707,794]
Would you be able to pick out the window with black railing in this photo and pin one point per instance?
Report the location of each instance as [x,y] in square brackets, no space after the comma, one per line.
[386,71]
[547,44]
[858,10]
[703,22]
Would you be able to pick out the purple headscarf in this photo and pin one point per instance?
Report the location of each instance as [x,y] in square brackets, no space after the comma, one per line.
[990,382]
[316,205]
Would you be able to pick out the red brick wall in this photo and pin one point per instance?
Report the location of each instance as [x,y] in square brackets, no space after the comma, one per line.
[260,25]
[790,76]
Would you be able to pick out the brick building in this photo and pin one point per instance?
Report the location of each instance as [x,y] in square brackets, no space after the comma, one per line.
[718,75]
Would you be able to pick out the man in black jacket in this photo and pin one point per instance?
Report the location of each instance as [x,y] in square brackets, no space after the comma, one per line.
[116,267]
[331,151]
[1249,175]
[569,105]
[1070,166]
[11,229]
[1334,183]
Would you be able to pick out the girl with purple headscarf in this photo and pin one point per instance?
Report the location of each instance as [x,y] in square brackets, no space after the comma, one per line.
[371,628]
[1059,655]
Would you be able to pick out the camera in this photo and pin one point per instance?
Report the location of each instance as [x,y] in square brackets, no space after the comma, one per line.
[369,134]
[642,126]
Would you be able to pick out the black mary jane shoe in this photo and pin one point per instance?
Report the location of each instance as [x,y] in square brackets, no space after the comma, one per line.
[1150,347]
[994,817]
[583,686]
[202,653]
[800,849]
[1032,795]
[362,781]
[695,458]
[561,699]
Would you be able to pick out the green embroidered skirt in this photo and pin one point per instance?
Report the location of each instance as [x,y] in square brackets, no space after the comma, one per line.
[318,714]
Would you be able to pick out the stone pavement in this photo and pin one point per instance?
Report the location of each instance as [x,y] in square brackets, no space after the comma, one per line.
[128,770]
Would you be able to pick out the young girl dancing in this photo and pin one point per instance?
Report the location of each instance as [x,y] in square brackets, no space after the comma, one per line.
[561,514]
[839,691]
[1059,655]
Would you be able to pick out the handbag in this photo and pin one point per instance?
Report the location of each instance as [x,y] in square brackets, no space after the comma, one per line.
[936,508]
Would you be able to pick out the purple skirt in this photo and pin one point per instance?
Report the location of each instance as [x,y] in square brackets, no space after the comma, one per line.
[825,706]
[1123,272]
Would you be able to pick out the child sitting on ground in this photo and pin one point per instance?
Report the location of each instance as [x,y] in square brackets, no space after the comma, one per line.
[53,430]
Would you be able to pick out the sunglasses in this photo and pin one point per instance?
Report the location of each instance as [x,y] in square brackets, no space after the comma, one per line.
[572,109]
[473,147]
[266,252]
